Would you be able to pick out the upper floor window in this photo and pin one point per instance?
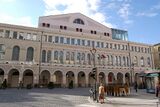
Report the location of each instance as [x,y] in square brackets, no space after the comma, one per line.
[68,40]
[44,56]
[49,38]
[56,39]
[15,53]
[2,51]
[78,21]
[78,42]
[14,35]
[7,33]
[83,42]
[72,41]
[158,49]
[142,62]
[30,53]
[61,39]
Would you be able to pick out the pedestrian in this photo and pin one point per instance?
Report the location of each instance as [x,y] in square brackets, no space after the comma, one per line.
[157,89]
[101,93]
[136,86]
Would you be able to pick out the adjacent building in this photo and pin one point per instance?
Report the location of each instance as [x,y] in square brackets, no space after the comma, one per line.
[59,50]
[156,53]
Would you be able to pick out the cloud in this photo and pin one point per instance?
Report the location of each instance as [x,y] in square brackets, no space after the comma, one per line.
[151,12]
[90,8]
[25,21]
[124,12]
[147,14]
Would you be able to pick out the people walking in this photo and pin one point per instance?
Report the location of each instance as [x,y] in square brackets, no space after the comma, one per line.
[101,93]
[136,86]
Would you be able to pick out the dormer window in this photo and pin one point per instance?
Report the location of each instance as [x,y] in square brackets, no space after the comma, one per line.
[78,21]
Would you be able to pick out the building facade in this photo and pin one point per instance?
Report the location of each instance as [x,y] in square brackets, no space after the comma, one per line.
[59,50]
[156,53]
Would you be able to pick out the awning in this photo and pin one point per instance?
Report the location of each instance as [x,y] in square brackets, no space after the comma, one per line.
[152,75]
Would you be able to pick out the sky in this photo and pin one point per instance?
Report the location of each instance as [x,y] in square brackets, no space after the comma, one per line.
[141,18]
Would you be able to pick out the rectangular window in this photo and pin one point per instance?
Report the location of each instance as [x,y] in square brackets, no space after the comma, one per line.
[93,44]
[49,38]
[106,45]
[28,36]
[110,45]
[2,51]
[78,42]
[7,33]
[21,35]
[14,35]
[102,45]
[1,32]
[72,41]
[56,39]
[34,36]
[61,39]
[83,42]
[68,40]
[88,43]
[98,44]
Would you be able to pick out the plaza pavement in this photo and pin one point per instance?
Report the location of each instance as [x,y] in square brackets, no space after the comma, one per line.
[78,97]
[139,99]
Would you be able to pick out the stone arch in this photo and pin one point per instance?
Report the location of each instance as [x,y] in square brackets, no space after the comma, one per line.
[101,77]
[81,79]
[58,78]
[28,77]
[119,78]
[45,78]
[91,81]
[111,78]
[127,78]
[70,77]
[1,75]
[13,78]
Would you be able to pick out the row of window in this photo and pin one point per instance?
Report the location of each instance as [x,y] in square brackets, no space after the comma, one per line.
[62,27]
[18,35]
[86,58]
[140,49]
[71,57]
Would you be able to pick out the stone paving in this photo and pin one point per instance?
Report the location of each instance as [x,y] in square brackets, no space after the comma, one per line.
[63,97]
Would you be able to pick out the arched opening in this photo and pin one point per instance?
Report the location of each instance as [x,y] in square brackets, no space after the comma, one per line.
[70,78]
[13,78]
[81,79]
[102,78]
[27,77]
[58,79]
[91,81]
[119,78]
[44,78]
[1,75]
[111,78]
[127,78]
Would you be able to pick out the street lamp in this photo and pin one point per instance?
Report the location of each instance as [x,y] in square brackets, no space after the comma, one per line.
[94,71]
[132,73]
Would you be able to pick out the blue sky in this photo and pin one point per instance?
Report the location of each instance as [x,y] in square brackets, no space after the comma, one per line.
[141,18]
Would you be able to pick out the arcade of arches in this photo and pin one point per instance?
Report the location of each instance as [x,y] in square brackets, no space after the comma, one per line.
[61,79]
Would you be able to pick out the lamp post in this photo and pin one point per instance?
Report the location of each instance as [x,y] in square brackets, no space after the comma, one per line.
[94,71]
[132,73]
